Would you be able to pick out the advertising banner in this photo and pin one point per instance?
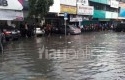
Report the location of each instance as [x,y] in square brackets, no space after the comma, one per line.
[122,4]
[68,9]
[11,4]
[122,12]
[114,3]
[75,18]
[11,15]
[111,15]
[85,10]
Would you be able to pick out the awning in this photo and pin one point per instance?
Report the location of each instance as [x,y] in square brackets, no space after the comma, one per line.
[11,15]
[11,4]
[104,19]
[121,18]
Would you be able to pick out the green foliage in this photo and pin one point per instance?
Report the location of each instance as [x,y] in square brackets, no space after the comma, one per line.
[39,7]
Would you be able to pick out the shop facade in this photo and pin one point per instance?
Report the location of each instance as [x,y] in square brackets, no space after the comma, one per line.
[85,11]
[105,10]
[77,10]
[121,12]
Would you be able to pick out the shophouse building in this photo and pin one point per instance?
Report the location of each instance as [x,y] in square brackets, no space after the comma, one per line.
[105,10]
[77,10]
[121,11]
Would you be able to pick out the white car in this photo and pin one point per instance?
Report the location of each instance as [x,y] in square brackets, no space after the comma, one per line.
[39,31]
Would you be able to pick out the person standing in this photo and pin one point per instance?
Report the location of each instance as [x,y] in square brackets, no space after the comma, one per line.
[22,30]
[48,29]
[26,29]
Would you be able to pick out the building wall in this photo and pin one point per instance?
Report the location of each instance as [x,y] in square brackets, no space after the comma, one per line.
[99,14]
[68,2]
[55,7]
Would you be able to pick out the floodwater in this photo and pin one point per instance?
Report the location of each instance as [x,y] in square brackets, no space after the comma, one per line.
[89,56]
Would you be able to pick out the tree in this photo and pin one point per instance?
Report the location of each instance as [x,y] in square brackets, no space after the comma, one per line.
[39,7]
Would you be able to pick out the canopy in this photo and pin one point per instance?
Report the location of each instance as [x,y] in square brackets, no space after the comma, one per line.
[12,5]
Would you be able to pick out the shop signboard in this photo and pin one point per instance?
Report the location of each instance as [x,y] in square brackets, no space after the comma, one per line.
[122,4]
[11,15]
[122,12]
[85,10]
[60,14]
[76,18]
[114,4]
[68,9]
[11,4]
[111,15]
[65,16]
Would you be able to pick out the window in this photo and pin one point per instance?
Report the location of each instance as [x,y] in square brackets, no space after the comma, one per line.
[97,6]
[104,7]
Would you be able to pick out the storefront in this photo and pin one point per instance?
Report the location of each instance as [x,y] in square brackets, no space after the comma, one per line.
[57,10]
[77,11]
[86,13]
[52,17]
[70,10]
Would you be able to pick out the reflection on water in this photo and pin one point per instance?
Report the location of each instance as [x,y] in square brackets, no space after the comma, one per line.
[89,56]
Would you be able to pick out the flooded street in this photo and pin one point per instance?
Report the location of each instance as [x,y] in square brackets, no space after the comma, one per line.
[89,56]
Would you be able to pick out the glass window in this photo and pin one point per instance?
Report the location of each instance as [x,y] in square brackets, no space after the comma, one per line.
[104,7]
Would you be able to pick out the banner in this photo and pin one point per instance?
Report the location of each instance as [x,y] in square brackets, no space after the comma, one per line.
[74,18]
[111,15]
[11,4]
[85,10]
[114,4]
[122,12]
[11,15]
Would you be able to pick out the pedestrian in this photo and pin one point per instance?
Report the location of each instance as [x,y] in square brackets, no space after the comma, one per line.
[33,29]
[21,28]
[26,29]
[112,26]
[13,25]
[48,29]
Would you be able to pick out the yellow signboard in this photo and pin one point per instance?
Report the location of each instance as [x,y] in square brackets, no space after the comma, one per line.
[68,9]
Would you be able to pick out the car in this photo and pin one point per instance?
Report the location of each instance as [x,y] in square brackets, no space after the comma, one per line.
[10,33]
[120,27]
[55,29]
[70,29]
[39,31]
